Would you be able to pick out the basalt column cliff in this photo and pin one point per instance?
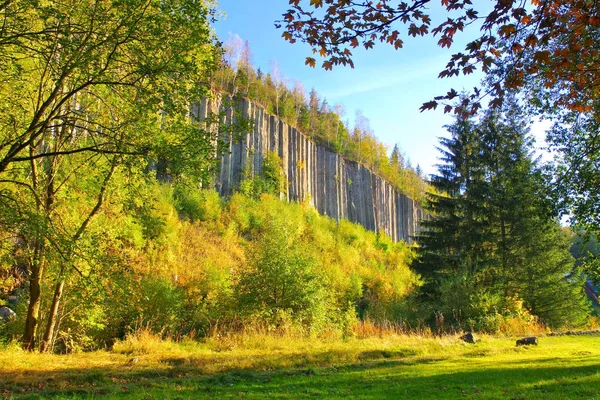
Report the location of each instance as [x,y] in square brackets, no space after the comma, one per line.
[335,187]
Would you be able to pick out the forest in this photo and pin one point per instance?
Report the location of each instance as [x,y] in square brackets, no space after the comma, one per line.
[109,225]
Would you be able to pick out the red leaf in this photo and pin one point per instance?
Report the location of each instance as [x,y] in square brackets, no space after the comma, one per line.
[430,105]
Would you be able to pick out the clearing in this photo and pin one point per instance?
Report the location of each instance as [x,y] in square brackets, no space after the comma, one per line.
[257,367]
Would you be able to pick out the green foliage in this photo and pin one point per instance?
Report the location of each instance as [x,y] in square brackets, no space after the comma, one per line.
[492,236]
[177,260]
[584,247]
[159,305]
[271,180]
[111,91]
[197,205]
[272,175]
[281,278]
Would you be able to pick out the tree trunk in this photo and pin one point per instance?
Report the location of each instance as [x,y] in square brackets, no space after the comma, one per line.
[505,271]
[35,298]
[52,317]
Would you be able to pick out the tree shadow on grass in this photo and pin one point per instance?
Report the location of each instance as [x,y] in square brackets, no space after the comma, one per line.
[392,379]
[374,375]
[34,381]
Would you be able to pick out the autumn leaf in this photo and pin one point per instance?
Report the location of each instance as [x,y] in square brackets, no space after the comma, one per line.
[517,48]
[445,42]
[507,30]
[430,105]
[541,56]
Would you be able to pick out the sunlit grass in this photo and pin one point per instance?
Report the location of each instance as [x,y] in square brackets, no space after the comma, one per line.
[259,366]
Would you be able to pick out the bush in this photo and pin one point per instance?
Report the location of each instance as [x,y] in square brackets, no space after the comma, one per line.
[158,306]
[197,204]
[271,180]
[281,279]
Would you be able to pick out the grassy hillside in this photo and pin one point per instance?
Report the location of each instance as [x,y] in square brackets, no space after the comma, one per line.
[181,261]
[258,366]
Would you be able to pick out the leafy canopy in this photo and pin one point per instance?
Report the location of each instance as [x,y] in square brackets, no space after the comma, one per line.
[553,40]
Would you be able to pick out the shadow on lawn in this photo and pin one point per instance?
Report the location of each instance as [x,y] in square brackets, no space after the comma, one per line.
[375,375]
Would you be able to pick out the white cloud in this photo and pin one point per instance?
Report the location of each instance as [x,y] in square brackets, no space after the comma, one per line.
[378,77]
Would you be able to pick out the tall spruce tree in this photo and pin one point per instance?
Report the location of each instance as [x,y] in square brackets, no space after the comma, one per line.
[492,239]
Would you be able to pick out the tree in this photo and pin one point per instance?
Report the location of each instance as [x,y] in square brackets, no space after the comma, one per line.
[339,111]
[282,277]
[299,96]
[361,130]
[553,40]
[271,180]
[586,251]
[53,55]
[395,157]
[85,87]
[232,54]
[442,251]
[575,136]
[279,81]
[419,171]
[492,237]
[246,66]
[313,109]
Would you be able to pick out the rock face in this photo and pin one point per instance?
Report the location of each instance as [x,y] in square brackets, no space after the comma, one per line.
[335,187]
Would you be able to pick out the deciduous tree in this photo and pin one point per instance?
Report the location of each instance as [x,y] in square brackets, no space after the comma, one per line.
[554,40]
[84,85]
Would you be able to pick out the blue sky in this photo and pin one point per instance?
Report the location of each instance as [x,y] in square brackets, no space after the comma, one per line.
[388,85]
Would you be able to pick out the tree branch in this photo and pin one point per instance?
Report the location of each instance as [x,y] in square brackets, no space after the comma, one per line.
[81,150]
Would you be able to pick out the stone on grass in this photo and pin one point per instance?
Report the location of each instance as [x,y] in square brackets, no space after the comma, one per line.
[468,337]
[528,341]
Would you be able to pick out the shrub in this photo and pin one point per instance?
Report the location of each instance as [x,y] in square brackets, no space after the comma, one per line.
[197,204]
[158,306]
[271,180]
[281,278]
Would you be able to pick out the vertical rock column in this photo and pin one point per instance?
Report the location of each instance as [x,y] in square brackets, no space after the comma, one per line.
[337,188]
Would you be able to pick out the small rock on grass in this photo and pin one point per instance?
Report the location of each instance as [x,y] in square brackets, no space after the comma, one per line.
[528,341]
[468,337]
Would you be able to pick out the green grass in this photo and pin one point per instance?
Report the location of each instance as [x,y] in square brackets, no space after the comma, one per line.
[397,367]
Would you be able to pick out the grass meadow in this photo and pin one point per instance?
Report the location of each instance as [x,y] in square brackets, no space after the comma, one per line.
[287,367]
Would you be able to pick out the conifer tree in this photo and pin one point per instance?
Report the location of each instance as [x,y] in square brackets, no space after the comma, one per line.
[395,157]
[492,238]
